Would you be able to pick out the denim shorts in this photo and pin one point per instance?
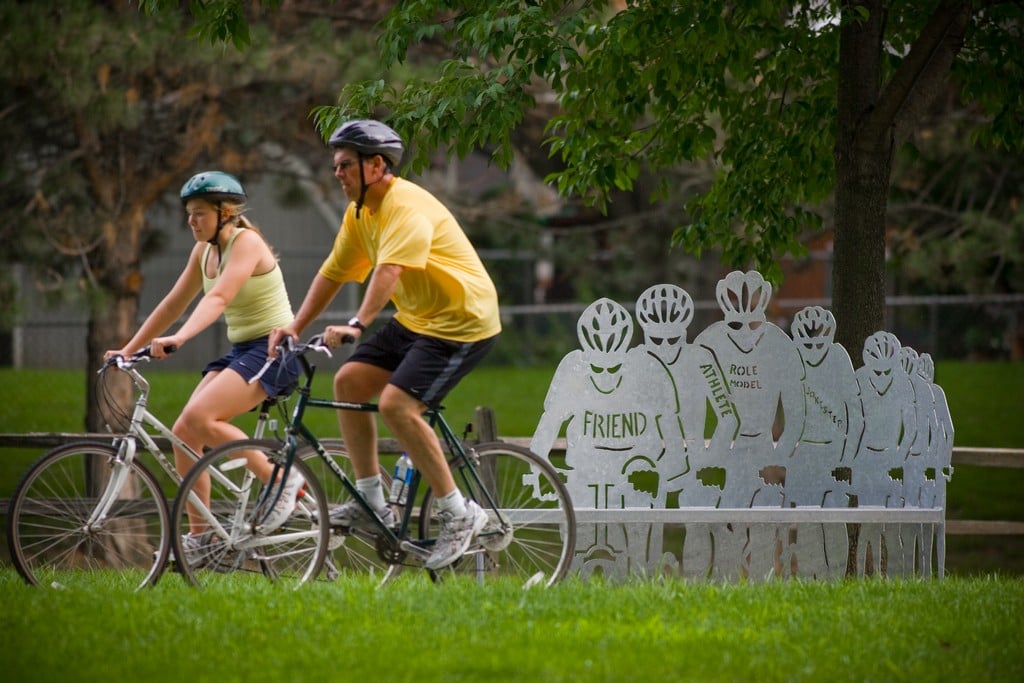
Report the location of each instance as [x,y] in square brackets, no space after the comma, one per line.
[248,358]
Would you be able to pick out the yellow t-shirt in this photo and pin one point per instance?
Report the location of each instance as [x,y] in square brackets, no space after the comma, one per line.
[260,305]
[444,290]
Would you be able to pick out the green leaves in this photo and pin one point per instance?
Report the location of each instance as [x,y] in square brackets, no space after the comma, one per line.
[749,89]
[216,21]
[659,89]
[466,108]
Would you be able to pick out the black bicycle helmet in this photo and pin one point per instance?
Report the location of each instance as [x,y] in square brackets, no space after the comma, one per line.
[369,137]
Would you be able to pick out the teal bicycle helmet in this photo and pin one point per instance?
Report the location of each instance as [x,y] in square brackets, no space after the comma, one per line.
[216,187]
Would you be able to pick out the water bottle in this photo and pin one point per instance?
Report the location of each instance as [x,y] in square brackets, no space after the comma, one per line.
[400,482]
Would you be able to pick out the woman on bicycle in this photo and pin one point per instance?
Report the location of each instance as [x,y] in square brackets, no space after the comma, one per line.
[237,271]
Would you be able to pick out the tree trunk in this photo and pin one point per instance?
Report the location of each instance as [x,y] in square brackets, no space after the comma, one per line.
[873,122]
[112,321]
[858,268]
[863,166]
[109,403]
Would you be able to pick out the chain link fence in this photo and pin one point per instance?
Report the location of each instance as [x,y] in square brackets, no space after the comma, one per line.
[948,327]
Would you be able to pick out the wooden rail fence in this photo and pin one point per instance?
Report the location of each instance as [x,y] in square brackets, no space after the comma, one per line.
[1009,458]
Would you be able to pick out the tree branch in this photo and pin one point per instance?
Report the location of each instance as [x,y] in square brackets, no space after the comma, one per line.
[200,135]
[920,75]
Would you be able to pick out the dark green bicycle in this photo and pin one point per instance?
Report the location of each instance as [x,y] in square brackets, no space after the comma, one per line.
[530,535]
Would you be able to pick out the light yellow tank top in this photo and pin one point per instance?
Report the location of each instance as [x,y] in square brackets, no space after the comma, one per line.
[260,305]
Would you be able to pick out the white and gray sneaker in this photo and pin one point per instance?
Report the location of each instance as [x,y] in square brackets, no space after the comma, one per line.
[352,515]
[196,547]
[456,534]
[207,551]
[285,504]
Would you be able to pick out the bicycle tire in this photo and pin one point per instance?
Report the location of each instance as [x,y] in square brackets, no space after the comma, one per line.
[351,553]
[538,548]
[51,540]
[291,554]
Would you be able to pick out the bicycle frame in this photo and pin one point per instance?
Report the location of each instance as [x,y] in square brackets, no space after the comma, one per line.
[297,432]
[142,417]
[136,433]
[528,533]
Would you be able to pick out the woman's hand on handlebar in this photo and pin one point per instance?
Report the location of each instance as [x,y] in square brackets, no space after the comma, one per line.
[278,335]
[160,347]
[110,355]
[120,357]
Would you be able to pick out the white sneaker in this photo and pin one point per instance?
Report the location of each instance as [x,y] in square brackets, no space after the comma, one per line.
[285,504]
[194,548]
[207,551]
[456,534]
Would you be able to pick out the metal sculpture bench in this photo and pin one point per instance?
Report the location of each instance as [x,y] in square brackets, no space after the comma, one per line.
[747,453]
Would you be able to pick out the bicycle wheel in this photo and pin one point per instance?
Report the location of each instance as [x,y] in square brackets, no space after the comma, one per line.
[531,536]
[59,535]
[225,499]
[349,553]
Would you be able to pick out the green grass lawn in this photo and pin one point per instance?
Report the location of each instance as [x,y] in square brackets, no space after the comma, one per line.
[963,627]
[412,630]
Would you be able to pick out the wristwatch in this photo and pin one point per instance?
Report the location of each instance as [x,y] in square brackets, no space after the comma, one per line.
[354,322]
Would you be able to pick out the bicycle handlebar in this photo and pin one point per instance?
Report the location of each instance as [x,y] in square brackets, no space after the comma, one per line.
[143,354]
[289,347]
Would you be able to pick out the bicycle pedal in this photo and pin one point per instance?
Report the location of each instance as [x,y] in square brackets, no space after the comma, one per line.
[416,550]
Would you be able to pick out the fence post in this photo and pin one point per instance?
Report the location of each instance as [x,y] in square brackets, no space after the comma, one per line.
[486,431]
[486,424]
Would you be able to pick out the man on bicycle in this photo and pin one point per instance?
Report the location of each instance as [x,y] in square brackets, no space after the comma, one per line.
[446,322]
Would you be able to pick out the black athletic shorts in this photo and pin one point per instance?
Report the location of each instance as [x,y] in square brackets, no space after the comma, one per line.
[426,368]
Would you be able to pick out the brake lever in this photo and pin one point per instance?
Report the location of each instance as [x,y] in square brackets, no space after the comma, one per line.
[317,344]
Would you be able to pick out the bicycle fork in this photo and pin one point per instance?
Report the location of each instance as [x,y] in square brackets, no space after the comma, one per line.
[111,492]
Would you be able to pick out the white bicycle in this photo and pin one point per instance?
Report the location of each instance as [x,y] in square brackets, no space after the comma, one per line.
[91,507]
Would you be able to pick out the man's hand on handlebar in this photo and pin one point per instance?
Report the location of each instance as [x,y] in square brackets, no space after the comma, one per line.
[336,335]
[289,347]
